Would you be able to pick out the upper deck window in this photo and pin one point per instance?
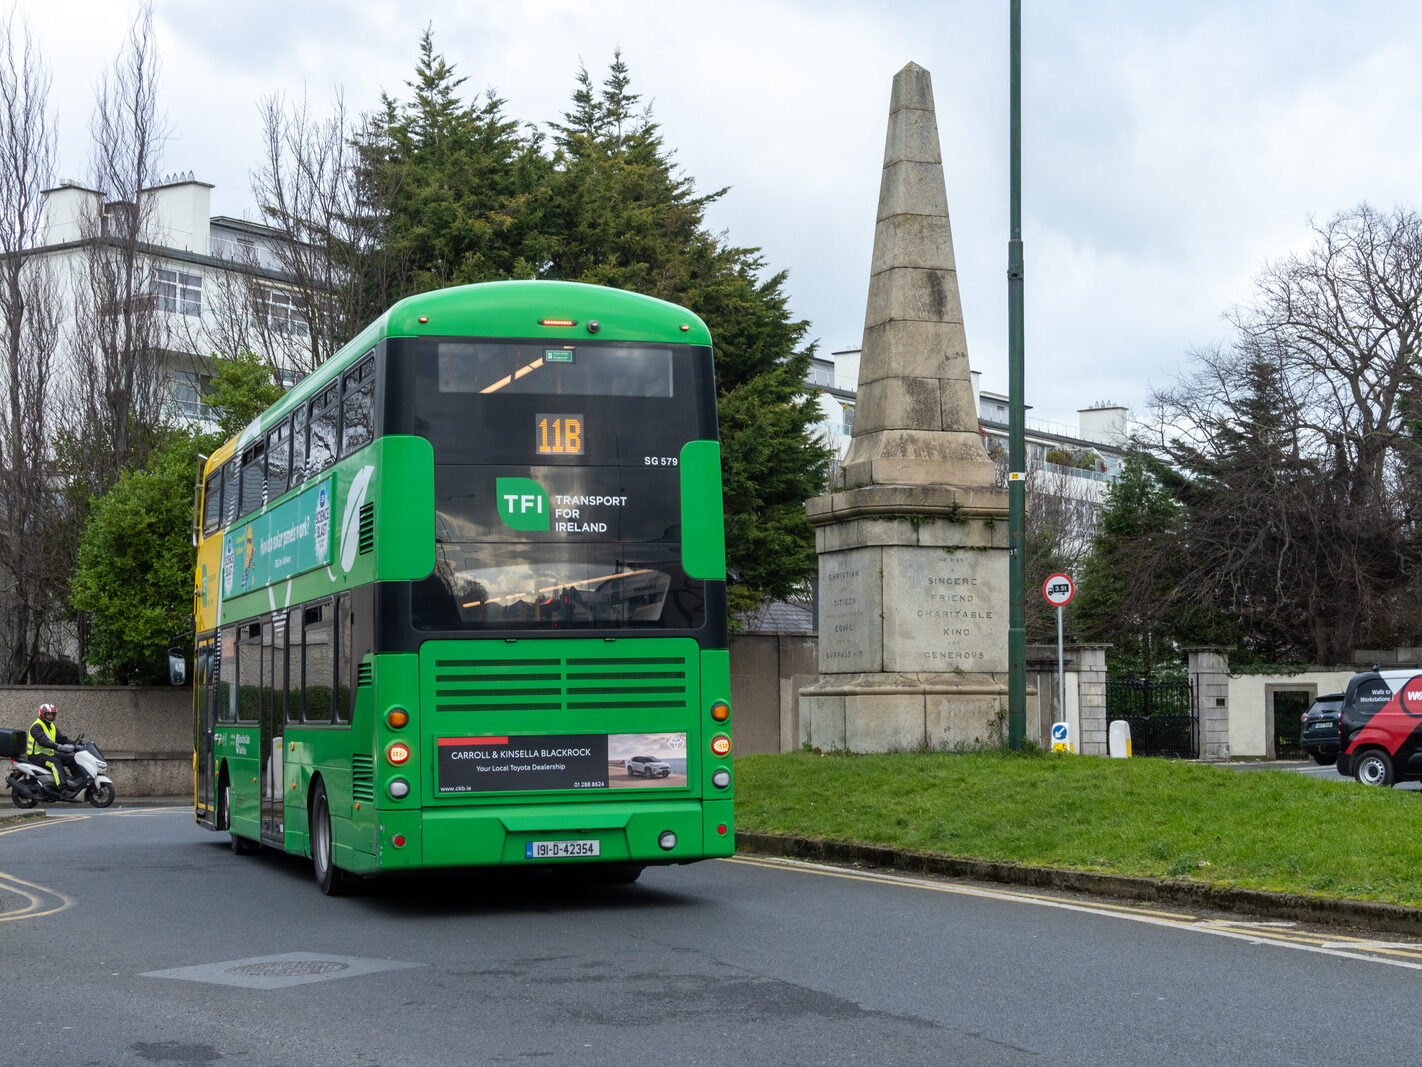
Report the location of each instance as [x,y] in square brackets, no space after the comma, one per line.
[554,370]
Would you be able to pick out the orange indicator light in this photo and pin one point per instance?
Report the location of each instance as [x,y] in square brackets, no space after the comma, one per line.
[397,718]
[720,711]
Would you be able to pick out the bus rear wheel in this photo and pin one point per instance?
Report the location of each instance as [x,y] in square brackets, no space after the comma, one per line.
[330,879]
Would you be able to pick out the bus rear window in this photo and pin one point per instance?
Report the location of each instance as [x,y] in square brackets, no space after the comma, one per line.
[554,370]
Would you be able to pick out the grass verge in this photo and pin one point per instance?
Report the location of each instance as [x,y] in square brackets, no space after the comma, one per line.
[1143,817]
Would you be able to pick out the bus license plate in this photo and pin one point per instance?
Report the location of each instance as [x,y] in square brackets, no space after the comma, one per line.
[547,850]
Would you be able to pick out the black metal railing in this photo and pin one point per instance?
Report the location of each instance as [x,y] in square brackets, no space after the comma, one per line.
[1161,713]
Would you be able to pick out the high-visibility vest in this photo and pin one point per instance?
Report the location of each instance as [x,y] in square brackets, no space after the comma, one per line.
[33,747]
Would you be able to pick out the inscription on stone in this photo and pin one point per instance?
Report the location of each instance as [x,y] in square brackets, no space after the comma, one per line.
[942,619]
[851,623]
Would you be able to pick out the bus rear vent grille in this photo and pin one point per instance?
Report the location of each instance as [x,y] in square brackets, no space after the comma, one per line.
[367,529]
[363,778]
[556,684]
[364,673]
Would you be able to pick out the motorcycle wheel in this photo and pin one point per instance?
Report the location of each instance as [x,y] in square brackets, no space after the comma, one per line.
[22,801]
[101,795]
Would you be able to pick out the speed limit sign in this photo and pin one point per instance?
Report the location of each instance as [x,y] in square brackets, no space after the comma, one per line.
[1058,590]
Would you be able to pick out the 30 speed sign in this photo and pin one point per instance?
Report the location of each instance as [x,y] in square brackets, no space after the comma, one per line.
[1058,590]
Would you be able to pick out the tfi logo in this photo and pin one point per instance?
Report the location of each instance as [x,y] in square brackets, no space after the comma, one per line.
[522,504]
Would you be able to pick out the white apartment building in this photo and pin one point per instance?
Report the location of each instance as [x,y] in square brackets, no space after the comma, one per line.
[216,282]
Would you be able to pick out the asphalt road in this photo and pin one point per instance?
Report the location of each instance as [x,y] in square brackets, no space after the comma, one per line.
[131,936]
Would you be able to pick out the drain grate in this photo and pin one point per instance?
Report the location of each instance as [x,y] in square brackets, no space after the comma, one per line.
[289,968]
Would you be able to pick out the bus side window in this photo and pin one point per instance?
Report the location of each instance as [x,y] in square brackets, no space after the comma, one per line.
[358,407]
[227,673]
[319,663]
[325,418]
[294,683]
[274,668]
[212,503]
[254,478]
[229,490]
[249,672]
[298,445]
[344,667]
[278,459]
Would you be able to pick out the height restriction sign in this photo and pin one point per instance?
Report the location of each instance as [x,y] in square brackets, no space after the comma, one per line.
[1058,590]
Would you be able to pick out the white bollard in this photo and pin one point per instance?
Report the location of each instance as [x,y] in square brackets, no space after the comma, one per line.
[1118,739]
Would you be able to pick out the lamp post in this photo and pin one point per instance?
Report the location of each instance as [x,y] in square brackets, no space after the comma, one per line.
[1016,421]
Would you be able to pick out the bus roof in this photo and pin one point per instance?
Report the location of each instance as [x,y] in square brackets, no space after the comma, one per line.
[513,309]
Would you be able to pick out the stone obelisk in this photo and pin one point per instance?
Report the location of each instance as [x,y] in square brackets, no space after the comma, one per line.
[913,539]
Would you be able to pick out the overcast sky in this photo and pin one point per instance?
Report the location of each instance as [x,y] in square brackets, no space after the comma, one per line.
[1169,149]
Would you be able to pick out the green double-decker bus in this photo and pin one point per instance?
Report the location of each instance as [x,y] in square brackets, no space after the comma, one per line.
[460,596]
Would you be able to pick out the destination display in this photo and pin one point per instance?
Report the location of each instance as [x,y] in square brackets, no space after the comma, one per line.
[560,761]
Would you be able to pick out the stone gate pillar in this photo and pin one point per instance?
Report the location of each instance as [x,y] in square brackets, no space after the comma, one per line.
[1209,671]
[1091,697]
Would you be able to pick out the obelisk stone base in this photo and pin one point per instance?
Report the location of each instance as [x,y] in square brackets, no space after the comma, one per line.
[912,583]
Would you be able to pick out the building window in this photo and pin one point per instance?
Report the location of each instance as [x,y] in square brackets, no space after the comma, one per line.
[238,248]
[280,311]
[847,418]
[189,396]
[178,292]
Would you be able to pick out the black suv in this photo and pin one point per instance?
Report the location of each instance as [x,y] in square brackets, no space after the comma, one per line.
[1320,729]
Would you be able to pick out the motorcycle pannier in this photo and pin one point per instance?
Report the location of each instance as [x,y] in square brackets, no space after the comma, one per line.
[12,743]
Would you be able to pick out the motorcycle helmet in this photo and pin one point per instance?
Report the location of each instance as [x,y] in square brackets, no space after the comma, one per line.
[47,712]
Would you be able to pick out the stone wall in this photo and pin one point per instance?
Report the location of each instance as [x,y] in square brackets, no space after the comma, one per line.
[767,672]
[146,734]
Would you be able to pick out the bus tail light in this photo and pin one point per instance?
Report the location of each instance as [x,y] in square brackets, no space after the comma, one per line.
[720,711]
[557,322]
[398,753]
[721,745]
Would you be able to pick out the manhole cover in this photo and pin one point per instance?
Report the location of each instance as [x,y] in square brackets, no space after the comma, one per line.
[281,971]
[288,968]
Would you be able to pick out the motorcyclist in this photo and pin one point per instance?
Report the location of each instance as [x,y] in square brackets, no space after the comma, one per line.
[43,747]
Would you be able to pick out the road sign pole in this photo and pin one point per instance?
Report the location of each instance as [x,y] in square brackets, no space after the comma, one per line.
[1061,672]
[1057,591]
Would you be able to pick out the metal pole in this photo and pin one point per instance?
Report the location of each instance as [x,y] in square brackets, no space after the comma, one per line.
[1061,672]
[1016,421]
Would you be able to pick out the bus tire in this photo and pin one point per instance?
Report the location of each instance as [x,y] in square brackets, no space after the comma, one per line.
[224,803]
[330,879]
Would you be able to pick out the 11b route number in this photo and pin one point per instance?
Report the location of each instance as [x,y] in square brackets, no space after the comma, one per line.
[559,435]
